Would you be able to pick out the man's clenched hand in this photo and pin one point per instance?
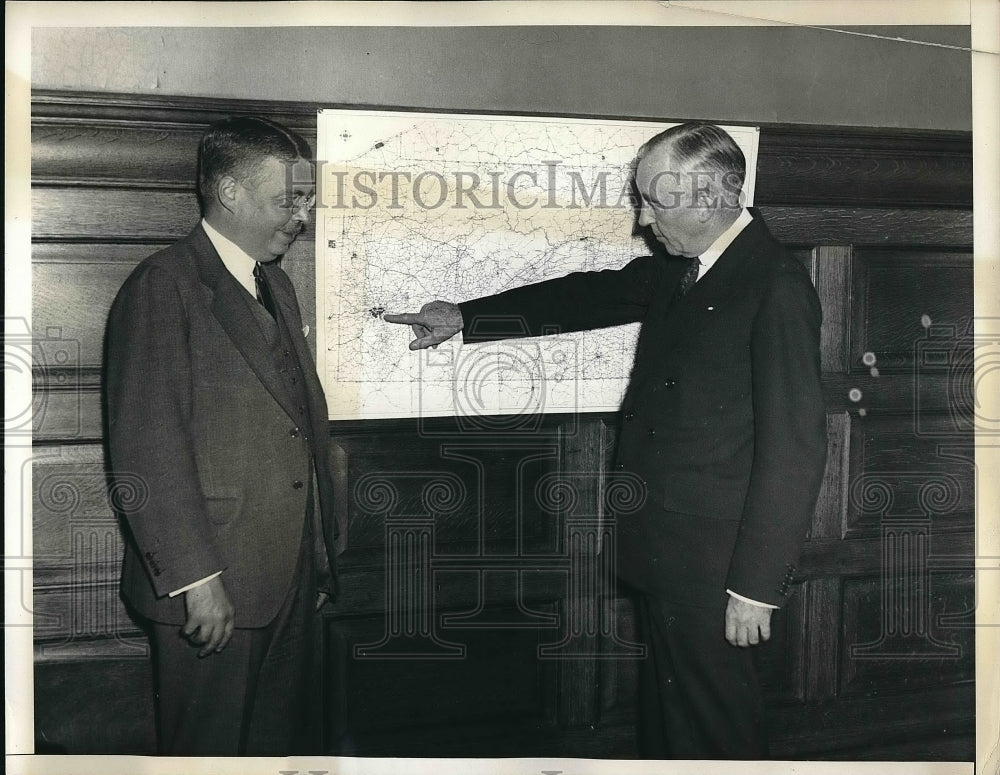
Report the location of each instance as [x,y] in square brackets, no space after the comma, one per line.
[210,617]
[436,322]
[747,624]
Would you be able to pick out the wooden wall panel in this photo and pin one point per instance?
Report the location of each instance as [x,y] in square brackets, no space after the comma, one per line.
[619,677]
[782,660]
[78,545]
[126,254]
[900,726]
[108,214]
[87,606]
[896,644]
[66,412]
[75,299]
[118,716]
[832,278]
[814,166]
[898,295]
[881,220]
[64,151]
[868,226]
[899,472]
[801,166]
[828,518]
[111,214]
[486,490]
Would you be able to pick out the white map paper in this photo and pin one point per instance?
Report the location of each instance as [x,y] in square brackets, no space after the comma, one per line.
[414,207]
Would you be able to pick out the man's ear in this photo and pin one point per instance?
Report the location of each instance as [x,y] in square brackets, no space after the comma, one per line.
[226,191]
[707,202]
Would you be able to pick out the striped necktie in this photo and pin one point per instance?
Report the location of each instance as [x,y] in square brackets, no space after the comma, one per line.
[689,278]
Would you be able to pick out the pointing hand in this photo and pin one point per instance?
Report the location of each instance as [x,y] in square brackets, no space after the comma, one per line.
[436,322]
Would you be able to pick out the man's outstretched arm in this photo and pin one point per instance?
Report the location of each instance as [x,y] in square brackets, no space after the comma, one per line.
[575,302]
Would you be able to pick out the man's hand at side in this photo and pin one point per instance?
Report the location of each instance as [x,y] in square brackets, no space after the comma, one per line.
[210,617]
[436,322]
[747,624]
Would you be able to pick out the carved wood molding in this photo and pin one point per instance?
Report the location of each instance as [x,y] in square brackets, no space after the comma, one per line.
[93,139]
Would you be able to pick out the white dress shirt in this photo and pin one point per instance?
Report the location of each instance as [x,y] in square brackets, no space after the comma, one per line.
[717,248]
[239,264]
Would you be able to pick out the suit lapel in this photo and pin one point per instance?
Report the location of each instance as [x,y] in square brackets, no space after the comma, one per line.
[231,310]
[288,310]
[726,278]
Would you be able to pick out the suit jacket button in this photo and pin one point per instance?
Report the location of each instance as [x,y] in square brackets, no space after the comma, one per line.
[652,432]
[297,484]
[294,433]
[629,416]
[669,383]
[620,467]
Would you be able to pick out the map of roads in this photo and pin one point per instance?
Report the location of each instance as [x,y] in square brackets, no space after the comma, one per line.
[413,207]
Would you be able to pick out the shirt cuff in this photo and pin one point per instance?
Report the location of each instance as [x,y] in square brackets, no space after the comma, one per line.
[748,600]
[198,583]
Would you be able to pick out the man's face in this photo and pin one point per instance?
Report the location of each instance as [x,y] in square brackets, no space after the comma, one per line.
[273,207]
[671,206]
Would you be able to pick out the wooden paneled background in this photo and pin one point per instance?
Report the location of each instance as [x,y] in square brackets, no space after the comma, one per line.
[473,619]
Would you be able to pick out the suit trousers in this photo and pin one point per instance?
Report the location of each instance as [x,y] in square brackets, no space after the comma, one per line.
[699,696]
[252,698]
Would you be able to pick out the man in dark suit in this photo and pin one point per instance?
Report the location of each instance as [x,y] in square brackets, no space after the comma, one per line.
[723,420]
[214,401]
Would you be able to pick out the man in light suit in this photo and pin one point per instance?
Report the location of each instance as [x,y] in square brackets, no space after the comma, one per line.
[214,402]
[723,420]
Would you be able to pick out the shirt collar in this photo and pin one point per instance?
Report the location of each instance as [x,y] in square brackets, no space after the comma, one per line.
[235,259]
[717,248]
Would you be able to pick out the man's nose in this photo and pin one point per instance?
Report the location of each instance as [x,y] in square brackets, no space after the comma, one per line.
[301,214]
[645,218]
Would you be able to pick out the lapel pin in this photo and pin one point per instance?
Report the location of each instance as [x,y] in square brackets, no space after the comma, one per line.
[710,309]
[305,330]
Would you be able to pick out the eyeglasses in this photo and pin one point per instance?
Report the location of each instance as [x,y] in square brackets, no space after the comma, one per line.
[295,204]
[301,201]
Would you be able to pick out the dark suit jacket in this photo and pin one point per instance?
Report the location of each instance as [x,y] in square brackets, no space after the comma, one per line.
[723,419]
[198,410]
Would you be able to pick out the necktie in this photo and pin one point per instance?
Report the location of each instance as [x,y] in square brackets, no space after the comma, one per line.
[264,292]
[689,277]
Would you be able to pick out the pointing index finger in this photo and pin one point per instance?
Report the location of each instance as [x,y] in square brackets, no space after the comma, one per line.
[406,318]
